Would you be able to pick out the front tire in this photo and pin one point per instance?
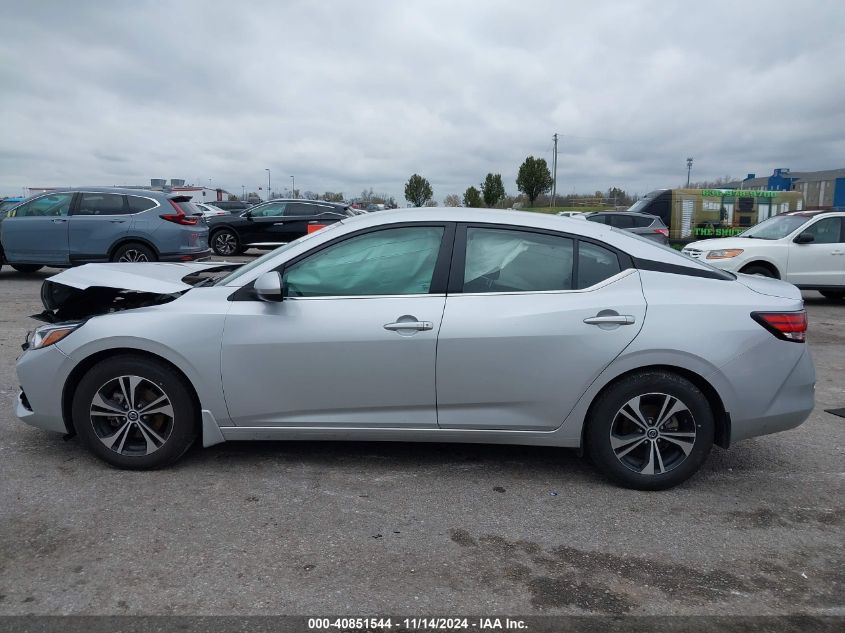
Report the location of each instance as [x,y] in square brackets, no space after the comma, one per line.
[27,268]
[833,295]
[134,253]
[225,243]
[135,413]
[651,430]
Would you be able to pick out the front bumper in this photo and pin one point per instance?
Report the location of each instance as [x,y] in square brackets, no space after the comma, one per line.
[42,374]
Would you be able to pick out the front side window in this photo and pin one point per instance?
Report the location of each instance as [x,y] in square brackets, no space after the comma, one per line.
[503,260]
[101,204]
[825,231]
[52,205]
[396,261]
[601,219]
[270,210]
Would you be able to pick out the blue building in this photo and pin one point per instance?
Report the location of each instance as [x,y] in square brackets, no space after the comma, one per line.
[821,189]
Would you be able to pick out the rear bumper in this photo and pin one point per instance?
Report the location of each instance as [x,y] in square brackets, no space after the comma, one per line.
[777,405]
[185,257]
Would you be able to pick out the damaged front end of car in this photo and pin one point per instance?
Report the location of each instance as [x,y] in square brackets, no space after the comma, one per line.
[95,289]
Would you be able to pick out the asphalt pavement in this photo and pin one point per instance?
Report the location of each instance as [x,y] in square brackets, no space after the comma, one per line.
[373,528]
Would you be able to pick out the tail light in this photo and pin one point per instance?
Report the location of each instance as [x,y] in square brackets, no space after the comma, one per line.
[788,326]
[663,232]
[179,217]
[315,227]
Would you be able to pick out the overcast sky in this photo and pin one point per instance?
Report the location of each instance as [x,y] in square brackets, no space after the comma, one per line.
[352,95]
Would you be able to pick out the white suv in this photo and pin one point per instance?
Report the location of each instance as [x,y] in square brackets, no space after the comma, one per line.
[806,248]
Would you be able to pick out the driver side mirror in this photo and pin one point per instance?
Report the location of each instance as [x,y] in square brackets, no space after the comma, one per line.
[805,238]
[268,286]
[248,214]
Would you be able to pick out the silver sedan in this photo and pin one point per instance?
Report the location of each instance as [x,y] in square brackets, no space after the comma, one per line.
[443,325]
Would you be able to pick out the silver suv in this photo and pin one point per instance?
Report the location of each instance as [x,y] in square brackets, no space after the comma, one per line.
[643,224]
[98,224]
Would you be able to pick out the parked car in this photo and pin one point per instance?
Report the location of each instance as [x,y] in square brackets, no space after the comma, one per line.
[8,203]
[233,206]
[97,224]
[444,325]
[272,223]
[648,226]
[209,210]
[805,248]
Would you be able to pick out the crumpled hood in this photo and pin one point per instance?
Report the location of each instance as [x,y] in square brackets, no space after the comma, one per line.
[157,277]
[93,289]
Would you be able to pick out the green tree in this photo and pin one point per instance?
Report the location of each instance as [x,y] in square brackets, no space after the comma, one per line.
[534,178]
[452,200]
[472,198]
[492,189]
[418,190]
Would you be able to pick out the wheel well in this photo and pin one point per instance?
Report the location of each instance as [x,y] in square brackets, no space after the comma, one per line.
[132,240]
[773,269]
[721,417]
[83,366]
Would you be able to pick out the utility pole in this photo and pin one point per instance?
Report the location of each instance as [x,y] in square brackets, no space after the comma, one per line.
[554,180]
[293,187]
[689,169]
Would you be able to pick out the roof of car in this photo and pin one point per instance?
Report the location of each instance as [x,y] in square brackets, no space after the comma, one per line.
[812,214]
[120,190]
[306,201]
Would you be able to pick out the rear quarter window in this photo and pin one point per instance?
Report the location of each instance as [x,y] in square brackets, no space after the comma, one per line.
[595,264]
[137,204]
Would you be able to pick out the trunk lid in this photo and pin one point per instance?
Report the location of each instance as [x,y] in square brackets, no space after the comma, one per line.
[769,286]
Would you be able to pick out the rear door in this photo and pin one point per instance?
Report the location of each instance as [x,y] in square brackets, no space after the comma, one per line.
[531,319]
[96,223]
[822,261]
[37,231]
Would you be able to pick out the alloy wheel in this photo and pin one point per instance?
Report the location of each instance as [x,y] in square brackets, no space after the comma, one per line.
[225,243]
[132,415]
[653,433]
[132,255]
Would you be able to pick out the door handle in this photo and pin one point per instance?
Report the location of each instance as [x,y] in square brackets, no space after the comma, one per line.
[610,319]
[117,221]
[58,220]
[409,325]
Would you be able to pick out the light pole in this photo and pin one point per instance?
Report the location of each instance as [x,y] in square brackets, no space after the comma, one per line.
[268,182]
[243,192]
[689,169]
[293,186]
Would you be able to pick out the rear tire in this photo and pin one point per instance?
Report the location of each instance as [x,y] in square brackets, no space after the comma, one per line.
[134,412]
[27,268]
[756,269]
[633,441]
[225,243]
[833,295]
[133,252]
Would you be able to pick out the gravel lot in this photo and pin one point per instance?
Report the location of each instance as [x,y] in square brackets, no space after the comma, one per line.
[310,528]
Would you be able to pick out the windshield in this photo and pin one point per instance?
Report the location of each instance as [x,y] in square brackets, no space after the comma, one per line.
[775,228]
[235,274]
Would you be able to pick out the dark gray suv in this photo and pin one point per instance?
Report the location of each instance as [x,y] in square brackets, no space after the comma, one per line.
[648,226]
[97,224]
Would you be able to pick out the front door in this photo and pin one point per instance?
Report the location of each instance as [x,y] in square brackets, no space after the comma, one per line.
[265,224]
[37,231]
[822,261]
[527,330]
[352,344]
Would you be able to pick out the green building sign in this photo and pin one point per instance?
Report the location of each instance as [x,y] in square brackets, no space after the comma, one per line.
[733,193]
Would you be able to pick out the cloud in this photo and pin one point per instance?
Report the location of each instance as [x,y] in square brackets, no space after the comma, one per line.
[348,96]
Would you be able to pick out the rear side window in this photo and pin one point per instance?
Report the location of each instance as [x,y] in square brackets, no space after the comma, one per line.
[641,222]
[138,204]
[595,264]
[621,221]
[502,260]
[303,210]
[101,204]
